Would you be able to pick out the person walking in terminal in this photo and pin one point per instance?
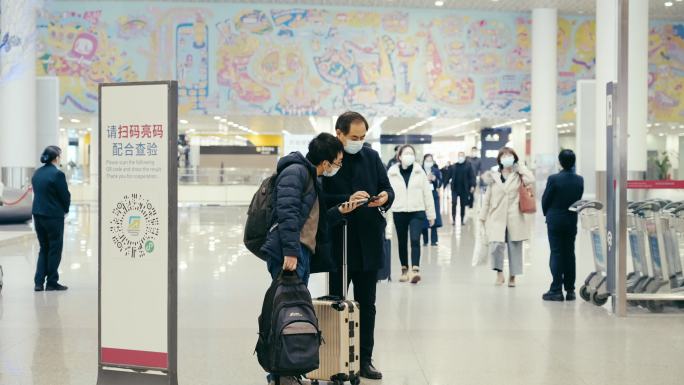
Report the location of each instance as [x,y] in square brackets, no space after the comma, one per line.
[435,178]
[462,181]
[476,163]
[300,241]
[363,176]
[562,190]
[51,201]
[413,205]
[395,158]
[505,225]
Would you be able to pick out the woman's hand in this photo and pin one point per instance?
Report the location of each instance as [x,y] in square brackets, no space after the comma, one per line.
[431,222]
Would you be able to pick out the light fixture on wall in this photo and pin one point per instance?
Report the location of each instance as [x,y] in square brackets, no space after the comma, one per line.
[439,3]
[510,123]
[669,4]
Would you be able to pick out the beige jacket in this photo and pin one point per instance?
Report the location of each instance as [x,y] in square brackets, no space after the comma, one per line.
[500,207]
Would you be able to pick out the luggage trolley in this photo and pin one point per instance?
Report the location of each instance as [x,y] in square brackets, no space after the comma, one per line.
[656,223]
[637,247]
[673,226]
[595,288]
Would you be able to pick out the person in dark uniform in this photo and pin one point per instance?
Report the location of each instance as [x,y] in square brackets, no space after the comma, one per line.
[562,190]
[394,159]
[462,179]
[51,201]
[435,178]
[476,163]
[363,175]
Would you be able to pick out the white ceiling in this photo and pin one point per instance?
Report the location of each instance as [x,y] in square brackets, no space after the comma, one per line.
[657,7]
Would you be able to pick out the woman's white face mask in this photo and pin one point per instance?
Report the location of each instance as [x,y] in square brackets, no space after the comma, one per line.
[407,159]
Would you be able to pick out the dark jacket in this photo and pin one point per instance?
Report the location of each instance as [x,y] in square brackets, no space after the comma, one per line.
[562,190]
[476,164]
[462,178]
[363,171]
[437,183]
[51,197]
[297,189]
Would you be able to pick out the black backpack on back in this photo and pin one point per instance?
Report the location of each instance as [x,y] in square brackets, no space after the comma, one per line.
[260,217]
[289,336]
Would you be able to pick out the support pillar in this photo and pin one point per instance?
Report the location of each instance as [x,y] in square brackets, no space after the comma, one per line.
[544,93]
[638,89]
[18,154]
[606,71]
[518,140]
[585,138]
[47,119]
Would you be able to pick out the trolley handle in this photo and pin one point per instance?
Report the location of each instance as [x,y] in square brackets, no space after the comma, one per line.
[585,204]
[649,206]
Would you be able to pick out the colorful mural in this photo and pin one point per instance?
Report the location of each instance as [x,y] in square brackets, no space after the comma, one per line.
[275,60]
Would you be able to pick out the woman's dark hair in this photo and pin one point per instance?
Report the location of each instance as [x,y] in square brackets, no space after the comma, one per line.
[404,147]
[345,121]
[502,152]
[430,156]
[49,154]
[567,159]
[324,147]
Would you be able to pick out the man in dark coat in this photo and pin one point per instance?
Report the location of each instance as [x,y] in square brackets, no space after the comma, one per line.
[462,179]
[562,191]
[476,163]
[363,175]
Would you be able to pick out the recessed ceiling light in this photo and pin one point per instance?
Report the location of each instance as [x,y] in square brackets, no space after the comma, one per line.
[439,3]
[61,118]
[217,118]
[183,121]
[668,4]
[224,120]
[89,129]
[75,121]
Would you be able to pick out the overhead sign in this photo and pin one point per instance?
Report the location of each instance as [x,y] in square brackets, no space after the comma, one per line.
[492,140]
[405,139]
[138,227]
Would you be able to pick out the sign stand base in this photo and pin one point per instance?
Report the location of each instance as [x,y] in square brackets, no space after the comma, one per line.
[118,377]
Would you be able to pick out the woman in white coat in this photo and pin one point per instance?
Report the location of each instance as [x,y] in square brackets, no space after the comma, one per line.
[413,204]
[504,224]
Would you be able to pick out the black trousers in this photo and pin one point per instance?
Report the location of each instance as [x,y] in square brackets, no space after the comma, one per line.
[409,226]
[562,261]
[365,294]
[50,233]
[464,199]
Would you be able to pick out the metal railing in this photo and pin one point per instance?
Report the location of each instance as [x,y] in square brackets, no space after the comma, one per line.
[222,176]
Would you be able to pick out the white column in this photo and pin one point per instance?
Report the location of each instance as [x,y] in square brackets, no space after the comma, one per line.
[47,116]
[606,69]
[18,89]
[585,137]
[672,149]
[638,88]
[94,151]
[518,140]
[544,91]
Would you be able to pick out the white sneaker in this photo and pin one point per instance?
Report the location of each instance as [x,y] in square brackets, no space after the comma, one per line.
[404,275]
[415,276]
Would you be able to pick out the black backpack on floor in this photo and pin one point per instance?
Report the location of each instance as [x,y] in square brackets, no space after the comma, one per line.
[289,336]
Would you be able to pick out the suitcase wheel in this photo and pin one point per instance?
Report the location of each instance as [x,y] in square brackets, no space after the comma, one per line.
[355,380]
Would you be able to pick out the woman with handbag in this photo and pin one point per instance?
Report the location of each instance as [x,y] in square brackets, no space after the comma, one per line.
[505,208]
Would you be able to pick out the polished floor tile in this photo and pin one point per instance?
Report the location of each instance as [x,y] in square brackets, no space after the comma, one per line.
[455,327]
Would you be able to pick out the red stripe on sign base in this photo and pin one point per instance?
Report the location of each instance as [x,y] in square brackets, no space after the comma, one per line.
[135,358]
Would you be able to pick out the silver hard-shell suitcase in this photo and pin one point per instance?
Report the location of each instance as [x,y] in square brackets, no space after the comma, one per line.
[338,320]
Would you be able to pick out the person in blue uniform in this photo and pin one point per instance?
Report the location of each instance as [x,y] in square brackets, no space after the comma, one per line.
[562,190]
[51,201]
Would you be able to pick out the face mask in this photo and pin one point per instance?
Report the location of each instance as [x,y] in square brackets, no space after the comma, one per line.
[353,146]
[332,171]
[428,165]
[461,159]
[407,159]
[475,154]
[507,161]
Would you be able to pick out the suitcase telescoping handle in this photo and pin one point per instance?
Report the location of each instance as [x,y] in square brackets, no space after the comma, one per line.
[345,283]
